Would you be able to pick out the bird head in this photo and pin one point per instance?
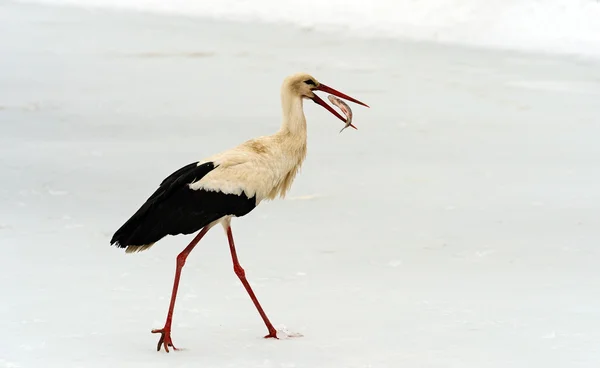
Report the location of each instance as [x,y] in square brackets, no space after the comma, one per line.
[305,85]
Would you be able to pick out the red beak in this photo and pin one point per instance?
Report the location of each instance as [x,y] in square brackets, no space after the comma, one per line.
[339,94]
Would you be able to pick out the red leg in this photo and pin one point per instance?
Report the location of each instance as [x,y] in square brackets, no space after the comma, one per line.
[239,271]
[165,332]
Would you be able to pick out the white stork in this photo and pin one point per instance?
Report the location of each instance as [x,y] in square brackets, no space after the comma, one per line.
[230,184]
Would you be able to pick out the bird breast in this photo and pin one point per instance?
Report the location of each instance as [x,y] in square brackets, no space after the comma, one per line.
[263,167]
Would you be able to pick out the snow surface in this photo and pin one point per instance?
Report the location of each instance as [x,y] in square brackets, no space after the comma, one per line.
[564,26]
[458,227]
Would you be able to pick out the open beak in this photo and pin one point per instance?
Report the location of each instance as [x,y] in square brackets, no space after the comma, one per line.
[339,94]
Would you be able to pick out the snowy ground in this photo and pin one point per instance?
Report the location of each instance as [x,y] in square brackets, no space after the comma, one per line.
[563,26]
[458,227]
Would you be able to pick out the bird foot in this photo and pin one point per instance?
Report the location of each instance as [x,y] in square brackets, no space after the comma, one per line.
[165,338]
[272,335]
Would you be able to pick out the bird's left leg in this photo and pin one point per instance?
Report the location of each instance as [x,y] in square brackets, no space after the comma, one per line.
[239,271]
[165,332]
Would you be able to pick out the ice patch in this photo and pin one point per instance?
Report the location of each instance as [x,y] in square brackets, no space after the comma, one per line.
[551,335]
[283,333]
[395,263]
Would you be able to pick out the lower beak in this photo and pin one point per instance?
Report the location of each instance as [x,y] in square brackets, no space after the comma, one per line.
[339,94]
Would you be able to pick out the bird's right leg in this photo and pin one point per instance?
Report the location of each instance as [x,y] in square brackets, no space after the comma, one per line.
[165,332]
[239,271]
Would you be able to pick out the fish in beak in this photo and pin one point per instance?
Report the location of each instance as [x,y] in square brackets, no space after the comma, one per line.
[327,89]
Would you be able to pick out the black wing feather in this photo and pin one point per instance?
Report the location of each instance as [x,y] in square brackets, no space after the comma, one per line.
[175,209]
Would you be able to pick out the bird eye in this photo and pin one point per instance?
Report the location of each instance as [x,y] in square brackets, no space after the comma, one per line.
[310,82]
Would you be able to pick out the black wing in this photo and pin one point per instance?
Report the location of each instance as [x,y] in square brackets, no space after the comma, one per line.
[175,209]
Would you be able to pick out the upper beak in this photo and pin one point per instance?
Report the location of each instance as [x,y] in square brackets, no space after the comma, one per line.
[339,94]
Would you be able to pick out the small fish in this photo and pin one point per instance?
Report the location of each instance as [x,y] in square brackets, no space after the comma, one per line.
[345,109]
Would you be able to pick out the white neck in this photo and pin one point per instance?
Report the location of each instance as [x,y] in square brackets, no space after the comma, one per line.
[294,121]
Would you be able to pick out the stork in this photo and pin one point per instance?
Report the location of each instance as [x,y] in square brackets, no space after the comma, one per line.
[229,184]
